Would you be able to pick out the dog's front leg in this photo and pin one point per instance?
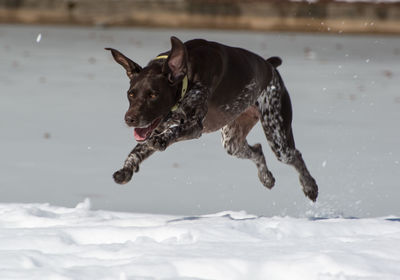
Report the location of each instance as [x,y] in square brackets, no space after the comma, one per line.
[190,117]
[176,134]
[186,122]
[131,165]
[188,130]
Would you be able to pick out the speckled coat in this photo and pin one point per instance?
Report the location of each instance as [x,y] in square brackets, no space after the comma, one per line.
[230,89]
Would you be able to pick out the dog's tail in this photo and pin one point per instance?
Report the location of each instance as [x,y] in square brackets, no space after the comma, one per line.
[275,61]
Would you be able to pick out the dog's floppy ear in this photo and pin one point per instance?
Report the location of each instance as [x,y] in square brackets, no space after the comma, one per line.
[176,65]
[131,67]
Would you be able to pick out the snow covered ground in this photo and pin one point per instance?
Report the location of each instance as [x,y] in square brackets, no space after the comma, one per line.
[62,102]
[39,241]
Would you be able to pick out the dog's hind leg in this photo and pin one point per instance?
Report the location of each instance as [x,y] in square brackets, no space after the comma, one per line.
[276,117]
[235,143]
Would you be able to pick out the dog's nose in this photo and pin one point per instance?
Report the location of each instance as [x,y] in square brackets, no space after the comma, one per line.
[129,120]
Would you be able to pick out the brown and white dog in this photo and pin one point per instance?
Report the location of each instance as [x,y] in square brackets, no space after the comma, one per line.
[200,87]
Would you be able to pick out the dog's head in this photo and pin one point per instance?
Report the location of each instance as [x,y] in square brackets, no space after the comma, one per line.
[154,89]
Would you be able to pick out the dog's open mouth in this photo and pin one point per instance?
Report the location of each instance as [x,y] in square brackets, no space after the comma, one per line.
[142,133]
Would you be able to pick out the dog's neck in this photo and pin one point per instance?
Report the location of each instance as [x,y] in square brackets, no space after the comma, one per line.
[185,83]
[183,92]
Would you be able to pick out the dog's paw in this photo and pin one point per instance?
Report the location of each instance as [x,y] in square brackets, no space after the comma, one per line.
[310,187]
[123,176]
[158,143]
[266,178]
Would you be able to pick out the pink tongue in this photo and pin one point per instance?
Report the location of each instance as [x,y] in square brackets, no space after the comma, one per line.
[142,133]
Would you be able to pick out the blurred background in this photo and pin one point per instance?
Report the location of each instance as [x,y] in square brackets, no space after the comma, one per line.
[332,16]
[63,99]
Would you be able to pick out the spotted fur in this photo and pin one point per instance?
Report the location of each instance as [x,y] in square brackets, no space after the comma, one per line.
[183,124]
[269,110]
[278,131]
[186,123]
[230,89]
[235,143]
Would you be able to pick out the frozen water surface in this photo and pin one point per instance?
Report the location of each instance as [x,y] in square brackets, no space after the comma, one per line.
[62,102]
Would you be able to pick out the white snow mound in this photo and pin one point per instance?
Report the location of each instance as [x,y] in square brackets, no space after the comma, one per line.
[39,241]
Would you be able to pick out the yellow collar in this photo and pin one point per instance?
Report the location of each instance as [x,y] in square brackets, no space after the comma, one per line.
[184,85]
[183,92]
[161,56]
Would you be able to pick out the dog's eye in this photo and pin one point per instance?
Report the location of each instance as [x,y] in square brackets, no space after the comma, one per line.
[153,95]
[130,95]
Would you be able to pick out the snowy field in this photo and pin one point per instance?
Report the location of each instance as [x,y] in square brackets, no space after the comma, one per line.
[38,241]
[62,102]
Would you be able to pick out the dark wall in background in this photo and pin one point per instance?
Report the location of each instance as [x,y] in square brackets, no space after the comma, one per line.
[275,15]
